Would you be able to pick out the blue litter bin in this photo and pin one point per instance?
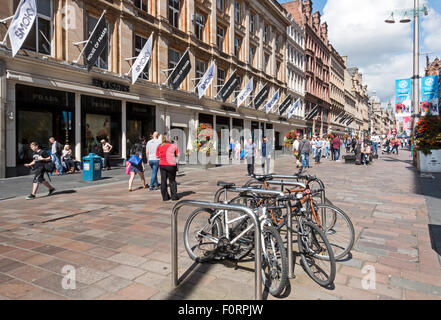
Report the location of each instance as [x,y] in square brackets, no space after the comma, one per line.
[92,166]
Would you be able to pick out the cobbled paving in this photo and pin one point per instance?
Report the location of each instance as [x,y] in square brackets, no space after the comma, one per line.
[119,243]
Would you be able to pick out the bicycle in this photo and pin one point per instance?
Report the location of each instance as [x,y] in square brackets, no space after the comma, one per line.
[334,222]
[212,234]
[316,253]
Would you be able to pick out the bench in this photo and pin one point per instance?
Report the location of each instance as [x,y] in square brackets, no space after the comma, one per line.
[349,158]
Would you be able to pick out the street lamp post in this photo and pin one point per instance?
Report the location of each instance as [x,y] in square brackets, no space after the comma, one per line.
[416,11]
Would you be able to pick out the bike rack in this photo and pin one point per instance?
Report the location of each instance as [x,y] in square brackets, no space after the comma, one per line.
[289,217]
[218,206]
[286,183]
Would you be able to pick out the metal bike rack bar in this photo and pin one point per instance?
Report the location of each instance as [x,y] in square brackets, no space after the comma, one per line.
[289,217]
[218,206]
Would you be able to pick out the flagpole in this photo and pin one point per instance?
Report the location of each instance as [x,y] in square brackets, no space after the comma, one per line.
[9,18]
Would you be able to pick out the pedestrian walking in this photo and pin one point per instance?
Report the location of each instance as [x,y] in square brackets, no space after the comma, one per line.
[296,150]
[136,166]
[250,151]
[375,142]
[39,165]
[331,137]
[107,148]
[152,146]
[327,146]
[167,153]
[336,143]
[395,144]
[305,150]
[266,153]
[318,150]
[56,152]
[237,150]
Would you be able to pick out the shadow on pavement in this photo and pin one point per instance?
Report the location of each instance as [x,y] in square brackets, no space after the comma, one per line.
[435,237]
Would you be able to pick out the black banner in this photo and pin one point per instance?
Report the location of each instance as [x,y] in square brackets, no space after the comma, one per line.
[261,97]
[346,117]
[180,71]
[313,113]
[352,120]
[229,87]
[98,40]
[285,104]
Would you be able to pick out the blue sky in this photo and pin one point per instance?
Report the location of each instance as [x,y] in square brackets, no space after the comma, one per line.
[383,52]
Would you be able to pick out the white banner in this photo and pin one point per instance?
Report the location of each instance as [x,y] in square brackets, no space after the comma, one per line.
[21,24]
[205,82]
[142,59]
[293,108]
[243,95]
[272,102]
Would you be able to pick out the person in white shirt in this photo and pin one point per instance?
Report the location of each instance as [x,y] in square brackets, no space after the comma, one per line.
[152,145]
[296,150]
[375,141]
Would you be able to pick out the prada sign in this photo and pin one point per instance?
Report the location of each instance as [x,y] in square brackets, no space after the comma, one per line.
[261,97]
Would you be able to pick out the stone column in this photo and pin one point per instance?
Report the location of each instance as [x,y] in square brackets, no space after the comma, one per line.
[124,129]
[11,143]
[78,126]
[2,119]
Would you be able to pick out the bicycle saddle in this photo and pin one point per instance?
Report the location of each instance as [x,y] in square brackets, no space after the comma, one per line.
[225,184]
[263,177]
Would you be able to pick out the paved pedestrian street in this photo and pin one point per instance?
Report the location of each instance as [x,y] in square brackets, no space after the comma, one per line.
[119,243]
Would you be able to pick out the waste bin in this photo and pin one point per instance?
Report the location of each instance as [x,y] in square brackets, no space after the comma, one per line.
[92,167]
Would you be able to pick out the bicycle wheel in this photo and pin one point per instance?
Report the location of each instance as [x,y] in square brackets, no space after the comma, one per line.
[201,234]
[339,229]
[274,261]
[316,253]
[245,244]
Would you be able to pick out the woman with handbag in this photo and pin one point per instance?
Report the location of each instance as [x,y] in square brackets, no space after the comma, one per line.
[136,166]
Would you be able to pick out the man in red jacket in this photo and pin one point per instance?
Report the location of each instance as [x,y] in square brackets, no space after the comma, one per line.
[336,143]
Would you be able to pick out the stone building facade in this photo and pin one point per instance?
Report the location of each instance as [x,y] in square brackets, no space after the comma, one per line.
[337,92]
[317,63]
[45,92]
[296,70]
[359,91]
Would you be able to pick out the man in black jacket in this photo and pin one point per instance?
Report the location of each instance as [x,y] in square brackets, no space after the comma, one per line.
[41,158]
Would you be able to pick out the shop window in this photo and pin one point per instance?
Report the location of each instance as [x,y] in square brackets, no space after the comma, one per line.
[141,124]
[41,114]
[139,45]
[101,119]
[103,60]
[39,38]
